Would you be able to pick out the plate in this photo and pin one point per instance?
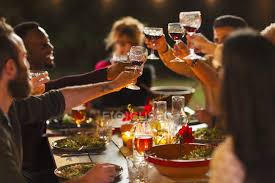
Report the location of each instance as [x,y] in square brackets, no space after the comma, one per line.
[77,170]
[80,143]
[60,125]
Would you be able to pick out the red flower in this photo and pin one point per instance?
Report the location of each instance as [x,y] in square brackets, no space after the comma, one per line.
[148,108]
[129,116]
[185,134]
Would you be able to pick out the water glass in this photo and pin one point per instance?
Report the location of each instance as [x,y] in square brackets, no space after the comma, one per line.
[137,170]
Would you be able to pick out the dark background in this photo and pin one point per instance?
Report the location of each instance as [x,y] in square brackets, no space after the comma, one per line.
[77,28]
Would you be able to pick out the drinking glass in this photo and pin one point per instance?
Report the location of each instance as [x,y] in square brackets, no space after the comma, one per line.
[137,170]
[34,73]
[137,58]
[120,59]
[176,32]
[161,124]
[191,21]
[105,129]
[178,115]
[79,114]
[143,138]
[153,34]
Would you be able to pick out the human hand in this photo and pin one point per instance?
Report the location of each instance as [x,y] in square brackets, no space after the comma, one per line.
[204,116]
[101,173]
[180,50]
[201,43]
[160,44]
[115,69]
[126,78]
[38,83]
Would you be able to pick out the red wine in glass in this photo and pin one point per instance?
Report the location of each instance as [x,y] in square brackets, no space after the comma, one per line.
[143,143]
[176,35]
[137,63]
[190,29]
[152,37]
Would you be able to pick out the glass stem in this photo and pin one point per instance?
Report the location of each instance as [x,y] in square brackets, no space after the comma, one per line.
[192,51]
[152,52]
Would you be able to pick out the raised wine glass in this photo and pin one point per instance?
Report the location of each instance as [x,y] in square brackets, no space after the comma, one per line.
[153,34]
[191,21]
[176,32]
[137,58]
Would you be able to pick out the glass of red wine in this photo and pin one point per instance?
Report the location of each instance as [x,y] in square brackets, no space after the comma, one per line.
[153,34]
[137,58]
[176,32]
[191,21]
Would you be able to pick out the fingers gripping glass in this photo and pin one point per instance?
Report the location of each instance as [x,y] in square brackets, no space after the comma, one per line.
[137,58]
[176,32]
[153,34]
[191,21]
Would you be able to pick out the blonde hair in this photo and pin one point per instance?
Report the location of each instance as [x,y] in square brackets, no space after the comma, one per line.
[128,26]
[269,32]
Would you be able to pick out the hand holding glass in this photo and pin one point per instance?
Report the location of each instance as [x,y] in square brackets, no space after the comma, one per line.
[176,32]
[137,58]
[191,21]
[153,34]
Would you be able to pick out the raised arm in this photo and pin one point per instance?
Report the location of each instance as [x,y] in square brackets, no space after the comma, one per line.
[166,55]
[203,71]
[86,78]
[80,94]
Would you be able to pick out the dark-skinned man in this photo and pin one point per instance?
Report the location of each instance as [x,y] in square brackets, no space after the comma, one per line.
[38,164]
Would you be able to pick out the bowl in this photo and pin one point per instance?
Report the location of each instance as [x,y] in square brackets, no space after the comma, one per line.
[166,92]
[165,159]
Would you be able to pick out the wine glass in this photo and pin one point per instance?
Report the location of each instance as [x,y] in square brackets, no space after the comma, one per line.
[153,34]
[137,58]
[143,138]
[191,21]
[176,32]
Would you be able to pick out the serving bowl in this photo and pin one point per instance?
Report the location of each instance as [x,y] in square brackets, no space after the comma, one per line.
[166,160]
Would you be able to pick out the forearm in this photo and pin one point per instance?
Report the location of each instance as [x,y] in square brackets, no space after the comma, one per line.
[210,49]
[75,96]
[179,68]
[80,79]
[206,74]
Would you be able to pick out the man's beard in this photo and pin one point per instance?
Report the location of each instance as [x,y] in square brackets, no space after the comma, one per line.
[20,87]
[49,65]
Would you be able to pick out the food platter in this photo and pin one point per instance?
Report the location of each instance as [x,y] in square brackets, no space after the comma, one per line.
[77,170]
[80,143]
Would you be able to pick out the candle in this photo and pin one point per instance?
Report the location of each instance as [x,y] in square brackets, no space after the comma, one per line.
[127,138]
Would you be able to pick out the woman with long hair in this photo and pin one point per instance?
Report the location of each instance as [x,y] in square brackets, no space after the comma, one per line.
[248,105]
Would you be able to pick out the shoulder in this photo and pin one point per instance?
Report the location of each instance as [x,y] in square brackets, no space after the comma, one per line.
[102,64]
[225,166]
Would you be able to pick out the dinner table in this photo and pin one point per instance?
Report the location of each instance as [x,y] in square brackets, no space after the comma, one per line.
[114,155]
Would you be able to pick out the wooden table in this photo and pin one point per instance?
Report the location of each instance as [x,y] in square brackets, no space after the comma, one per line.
[113,155]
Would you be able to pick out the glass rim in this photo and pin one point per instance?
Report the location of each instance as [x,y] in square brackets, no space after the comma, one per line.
[190,12]
[174,23]
[154,28]
[178,96]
